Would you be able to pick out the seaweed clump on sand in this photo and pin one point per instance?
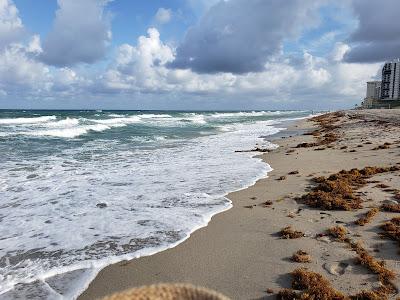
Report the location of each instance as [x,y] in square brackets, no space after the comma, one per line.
[377,267]
[391,207]
[367,218]
[379,294]
[392,229]
[324,134]
[289,233]
[336,192]
[338,232]
[311,285]
[307,285]
[384,146]
[301,256]
[385,275]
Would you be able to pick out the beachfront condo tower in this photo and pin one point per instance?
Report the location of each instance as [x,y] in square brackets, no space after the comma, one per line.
[390,89]
[374,90]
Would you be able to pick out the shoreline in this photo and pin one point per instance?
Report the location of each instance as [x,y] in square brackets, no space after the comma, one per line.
[291,129]
[240,254]
[84,273]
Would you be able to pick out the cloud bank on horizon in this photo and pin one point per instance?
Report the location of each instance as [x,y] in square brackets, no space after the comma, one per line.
[204,54]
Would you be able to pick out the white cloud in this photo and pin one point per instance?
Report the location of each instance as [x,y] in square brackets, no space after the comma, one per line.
[11,27]
[34,45]
[142,68]
[163,15]
[339,51]
[80,34]
[200,6]
[19,69]
[240,36]
[21,72]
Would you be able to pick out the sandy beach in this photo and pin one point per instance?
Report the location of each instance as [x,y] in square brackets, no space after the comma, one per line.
[241,252]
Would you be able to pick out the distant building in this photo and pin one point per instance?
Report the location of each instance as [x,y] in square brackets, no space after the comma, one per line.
[384,93]
[374,89]
[391,81]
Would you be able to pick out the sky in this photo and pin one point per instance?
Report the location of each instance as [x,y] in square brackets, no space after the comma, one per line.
[193,54]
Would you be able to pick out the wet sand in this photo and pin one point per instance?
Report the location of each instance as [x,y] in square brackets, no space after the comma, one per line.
[240,252]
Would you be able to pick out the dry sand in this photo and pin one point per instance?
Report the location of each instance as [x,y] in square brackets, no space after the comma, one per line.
[240,253]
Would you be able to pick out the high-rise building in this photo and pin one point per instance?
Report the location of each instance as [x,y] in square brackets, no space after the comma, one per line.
[374,90]
[391,81]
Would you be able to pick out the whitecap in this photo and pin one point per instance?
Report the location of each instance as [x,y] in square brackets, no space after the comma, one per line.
[67,132]
[16,121]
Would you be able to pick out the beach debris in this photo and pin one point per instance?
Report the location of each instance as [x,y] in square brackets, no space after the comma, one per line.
[306,145]
[270,291]
[101,205]
[267,203]
[338,232]
[311,285]
[249,206]
[336,192]
[384,146]
[301,256]
[385,275]
[391,207]
[324,238]
[390,190]
[308,285]
[377,267]
[289,233]
[294,172]
[367,218]
[343,147]
[378,294]
[282,178]
[382,186]
[256,149]
[392,229]
[313,133]
[324,134]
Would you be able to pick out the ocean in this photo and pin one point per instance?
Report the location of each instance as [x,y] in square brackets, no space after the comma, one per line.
[80,190]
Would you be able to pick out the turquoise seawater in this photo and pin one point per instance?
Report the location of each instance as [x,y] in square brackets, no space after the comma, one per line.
[82,189]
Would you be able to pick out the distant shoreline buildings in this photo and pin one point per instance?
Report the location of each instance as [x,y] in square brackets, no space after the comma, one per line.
[384,93]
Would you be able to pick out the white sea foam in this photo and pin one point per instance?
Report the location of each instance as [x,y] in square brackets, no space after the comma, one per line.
[68,122]
[63,238]
[154,116]
[253,114]
[196,118]
[16,121]
[119,121]
[67,132]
